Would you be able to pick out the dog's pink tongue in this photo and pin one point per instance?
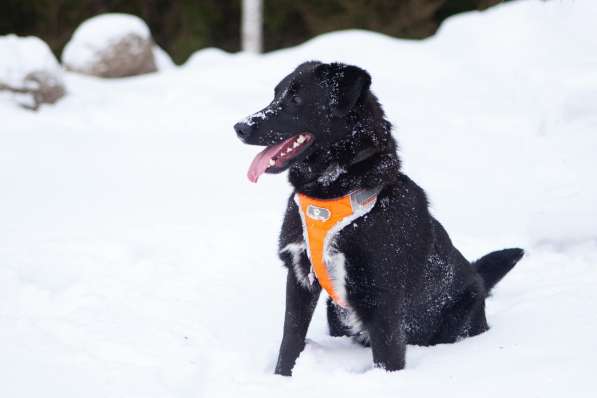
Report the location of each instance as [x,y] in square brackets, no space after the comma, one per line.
[261,161]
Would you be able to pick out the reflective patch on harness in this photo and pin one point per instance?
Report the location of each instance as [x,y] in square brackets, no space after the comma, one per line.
[318,213]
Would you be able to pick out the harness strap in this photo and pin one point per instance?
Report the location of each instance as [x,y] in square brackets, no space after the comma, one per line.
[322,219]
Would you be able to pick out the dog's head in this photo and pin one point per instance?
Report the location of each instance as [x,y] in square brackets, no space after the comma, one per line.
[314,108]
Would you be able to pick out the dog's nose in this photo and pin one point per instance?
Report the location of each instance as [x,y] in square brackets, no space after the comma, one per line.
[243,130]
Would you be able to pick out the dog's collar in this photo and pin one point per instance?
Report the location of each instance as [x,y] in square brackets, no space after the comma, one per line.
[322,219]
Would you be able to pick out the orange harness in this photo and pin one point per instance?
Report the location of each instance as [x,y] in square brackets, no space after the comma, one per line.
[322,220]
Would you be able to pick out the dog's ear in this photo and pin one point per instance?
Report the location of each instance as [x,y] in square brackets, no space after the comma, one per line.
[346,84]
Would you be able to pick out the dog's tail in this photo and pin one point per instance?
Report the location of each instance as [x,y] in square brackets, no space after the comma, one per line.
[493,266]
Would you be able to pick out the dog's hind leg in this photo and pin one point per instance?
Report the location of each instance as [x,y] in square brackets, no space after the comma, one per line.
[339,323]
[463,319]
[336,325]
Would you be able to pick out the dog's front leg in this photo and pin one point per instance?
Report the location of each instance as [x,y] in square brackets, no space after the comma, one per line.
[300,303]
[388,341]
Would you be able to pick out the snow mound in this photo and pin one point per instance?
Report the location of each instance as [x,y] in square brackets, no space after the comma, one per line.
[207,57]
[20,56]
[163,61]
[111,45]
[29,71]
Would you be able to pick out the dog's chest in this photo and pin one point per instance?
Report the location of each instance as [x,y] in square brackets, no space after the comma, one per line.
[335,260]
[325,224]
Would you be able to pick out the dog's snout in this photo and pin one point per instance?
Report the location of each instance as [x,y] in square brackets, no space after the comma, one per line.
[243,130]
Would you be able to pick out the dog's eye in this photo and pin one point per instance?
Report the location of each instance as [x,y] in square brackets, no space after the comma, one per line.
[297,100]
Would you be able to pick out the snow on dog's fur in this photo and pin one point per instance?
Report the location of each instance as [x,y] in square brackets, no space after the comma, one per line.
[395,266]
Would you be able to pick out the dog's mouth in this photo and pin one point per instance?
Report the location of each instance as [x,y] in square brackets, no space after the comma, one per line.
[276,158]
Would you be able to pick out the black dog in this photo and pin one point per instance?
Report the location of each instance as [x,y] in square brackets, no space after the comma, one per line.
[397,276]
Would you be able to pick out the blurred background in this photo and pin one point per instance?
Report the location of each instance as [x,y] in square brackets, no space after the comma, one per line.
[182,27]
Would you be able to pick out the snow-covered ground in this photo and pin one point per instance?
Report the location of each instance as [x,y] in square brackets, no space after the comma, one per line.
[136,260]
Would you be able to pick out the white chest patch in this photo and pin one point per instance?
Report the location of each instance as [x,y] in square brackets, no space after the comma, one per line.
[296,250]
[335,261]
[336,265]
